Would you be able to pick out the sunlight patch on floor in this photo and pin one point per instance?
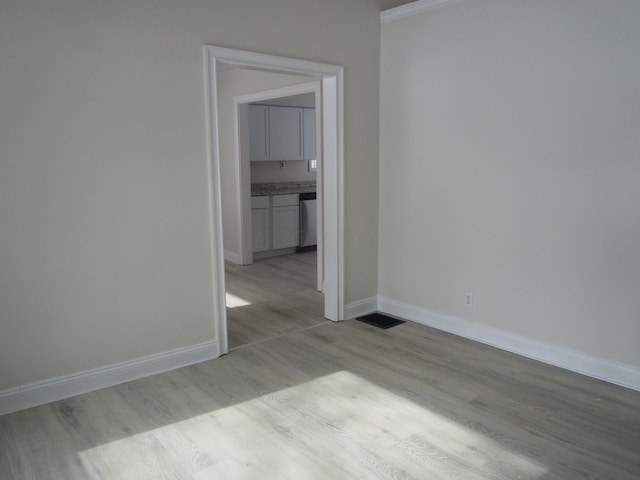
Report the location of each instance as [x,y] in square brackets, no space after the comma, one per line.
[337,426]
[233,301]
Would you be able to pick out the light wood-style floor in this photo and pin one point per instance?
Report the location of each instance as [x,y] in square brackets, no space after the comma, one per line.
[337,401]
[272,297]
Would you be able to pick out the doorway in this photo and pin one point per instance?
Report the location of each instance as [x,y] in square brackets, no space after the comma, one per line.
[332,85]
[272,297]
[295,95]
[271,290]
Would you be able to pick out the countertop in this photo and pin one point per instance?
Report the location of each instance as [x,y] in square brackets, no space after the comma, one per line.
[282,188]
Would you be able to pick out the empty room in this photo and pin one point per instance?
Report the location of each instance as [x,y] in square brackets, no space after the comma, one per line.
[475,183]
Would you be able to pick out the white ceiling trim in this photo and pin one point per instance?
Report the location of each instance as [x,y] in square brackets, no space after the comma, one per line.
[411,9]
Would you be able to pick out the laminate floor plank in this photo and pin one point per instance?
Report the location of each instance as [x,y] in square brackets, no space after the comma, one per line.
[272,297]
[342,400]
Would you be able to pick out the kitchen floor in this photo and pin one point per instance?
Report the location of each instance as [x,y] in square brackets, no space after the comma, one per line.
[272,297]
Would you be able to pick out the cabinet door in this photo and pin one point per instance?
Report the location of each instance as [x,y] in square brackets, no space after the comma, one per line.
[285,133]
[258,132]
[309,134]
[260,232]
[285,226]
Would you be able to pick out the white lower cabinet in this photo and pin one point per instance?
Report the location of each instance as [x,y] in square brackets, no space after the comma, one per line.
[275,222]
[260,229]
[285,216]
[261,223]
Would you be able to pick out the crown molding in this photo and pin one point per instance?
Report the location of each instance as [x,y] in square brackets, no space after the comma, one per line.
[412,8]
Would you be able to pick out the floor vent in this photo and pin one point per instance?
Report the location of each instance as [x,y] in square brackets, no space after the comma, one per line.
[379,320]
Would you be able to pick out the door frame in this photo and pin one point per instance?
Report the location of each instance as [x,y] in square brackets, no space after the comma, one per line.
[332,82]
[243,173]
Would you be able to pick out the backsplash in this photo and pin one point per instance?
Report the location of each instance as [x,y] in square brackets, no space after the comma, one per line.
[271,172]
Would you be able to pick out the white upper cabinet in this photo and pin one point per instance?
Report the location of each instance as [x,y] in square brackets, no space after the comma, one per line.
[258,132]
[309,133]
[281,133]
[285,133]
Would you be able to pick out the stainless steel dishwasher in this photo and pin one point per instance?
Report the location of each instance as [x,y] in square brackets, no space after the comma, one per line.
[308,221]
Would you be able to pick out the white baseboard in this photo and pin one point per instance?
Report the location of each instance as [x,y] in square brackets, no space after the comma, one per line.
[361,307]
[58,388]
[53,389]
[619,374]
[232,257]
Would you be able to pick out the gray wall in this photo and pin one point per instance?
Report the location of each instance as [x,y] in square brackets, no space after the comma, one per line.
[510,165]
[105,243]
[302,100]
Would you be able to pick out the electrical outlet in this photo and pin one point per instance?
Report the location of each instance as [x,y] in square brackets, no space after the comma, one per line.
[468,299]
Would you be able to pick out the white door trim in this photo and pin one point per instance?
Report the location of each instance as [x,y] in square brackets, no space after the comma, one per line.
[333,156]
